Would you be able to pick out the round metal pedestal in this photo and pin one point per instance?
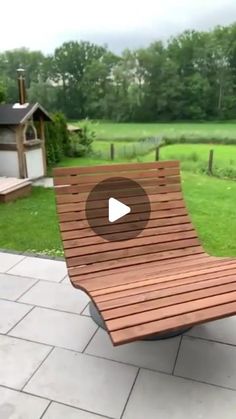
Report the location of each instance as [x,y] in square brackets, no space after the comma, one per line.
[99,321]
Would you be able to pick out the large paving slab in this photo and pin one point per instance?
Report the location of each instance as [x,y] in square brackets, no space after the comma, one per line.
[12,287]
[83,381]
[11,313]
[56,328]
[18,360]
[60,411]
[17,405]
[160,396]
[8,260]
[56,296]
[209,362]
[221,330]
[156,355]
[39,268]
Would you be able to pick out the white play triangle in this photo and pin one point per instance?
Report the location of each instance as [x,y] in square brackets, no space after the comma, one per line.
[117,209]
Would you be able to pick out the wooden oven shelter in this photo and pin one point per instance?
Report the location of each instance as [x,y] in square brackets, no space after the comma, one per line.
[22,137]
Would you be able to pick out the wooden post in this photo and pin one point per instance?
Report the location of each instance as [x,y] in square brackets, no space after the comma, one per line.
[112,151]
[42,138]
[20,151]
[210,162]
[157,154]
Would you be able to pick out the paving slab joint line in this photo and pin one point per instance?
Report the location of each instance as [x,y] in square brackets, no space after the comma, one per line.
[81,313]
[45,410]
[25,392]
[58,310]
[41,363]
[15,264]
[194,380]
[220,342]
[126,363]
[129,395]
[28,289]
[177,355]
[63,278]
[90,340]
[15,301]
[16,324]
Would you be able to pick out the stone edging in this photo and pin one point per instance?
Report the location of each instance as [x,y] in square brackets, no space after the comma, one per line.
[35,255]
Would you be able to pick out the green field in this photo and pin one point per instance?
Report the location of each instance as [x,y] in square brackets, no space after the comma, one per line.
[134,131]
[193,157]
[30,224]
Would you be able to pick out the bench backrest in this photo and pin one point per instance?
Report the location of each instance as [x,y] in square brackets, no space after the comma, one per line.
[168,233]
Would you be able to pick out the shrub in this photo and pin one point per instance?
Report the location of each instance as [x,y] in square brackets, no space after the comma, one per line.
[56,139]
[81,143]
[198,139]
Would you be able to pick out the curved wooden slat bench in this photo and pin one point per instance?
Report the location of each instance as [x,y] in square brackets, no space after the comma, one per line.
[158,282]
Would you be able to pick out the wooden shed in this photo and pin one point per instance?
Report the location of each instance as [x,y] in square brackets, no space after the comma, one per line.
[22,137]
[22,145]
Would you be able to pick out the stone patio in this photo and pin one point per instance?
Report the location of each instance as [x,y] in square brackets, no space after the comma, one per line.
[55,363]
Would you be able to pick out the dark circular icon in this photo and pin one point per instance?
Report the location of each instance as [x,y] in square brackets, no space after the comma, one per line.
[118,209]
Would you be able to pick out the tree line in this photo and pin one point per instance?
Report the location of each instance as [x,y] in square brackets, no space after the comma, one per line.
[190,77]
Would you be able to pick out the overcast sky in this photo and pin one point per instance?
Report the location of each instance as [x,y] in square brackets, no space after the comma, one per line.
[47,24]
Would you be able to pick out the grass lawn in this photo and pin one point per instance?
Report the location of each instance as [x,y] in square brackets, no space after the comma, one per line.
[133,131]
[30,224]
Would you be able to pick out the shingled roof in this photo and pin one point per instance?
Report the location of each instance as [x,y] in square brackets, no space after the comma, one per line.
[10,114]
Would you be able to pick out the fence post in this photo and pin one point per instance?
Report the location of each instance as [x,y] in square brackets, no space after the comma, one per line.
[157,154]
[210,161]
[112,151]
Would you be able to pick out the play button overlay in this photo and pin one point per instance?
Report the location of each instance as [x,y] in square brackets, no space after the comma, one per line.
[117,209]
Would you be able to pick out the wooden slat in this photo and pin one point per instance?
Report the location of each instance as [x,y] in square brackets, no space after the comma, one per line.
[66,205]
[134,261]
[119,254]
[115,168]
[127,244]
[188,319]
[150,185]
[184,261]
[127,275]
[152,271]
[129,301]
[84,192]
[147,232]
[88,232]
[95,178]
[130,218]
[162,200]
[174,310]
[172,296]
[161,283]
[155,279]
[80,212]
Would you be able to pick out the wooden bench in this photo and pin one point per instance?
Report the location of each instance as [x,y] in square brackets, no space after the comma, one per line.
[159,282]
[13,188]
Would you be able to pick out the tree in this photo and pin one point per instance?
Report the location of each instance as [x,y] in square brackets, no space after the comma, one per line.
[191,77]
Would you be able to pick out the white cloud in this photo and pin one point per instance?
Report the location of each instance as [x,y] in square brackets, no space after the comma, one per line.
[46,24]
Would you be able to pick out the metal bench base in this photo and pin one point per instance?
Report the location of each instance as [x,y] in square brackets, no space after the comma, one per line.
[100,322]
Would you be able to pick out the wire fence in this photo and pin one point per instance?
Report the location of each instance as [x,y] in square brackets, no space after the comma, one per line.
[117,151]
